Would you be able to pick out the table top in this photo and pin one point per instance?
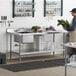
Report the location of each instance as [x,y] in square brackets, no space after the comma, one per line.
[11,31]
[70,44]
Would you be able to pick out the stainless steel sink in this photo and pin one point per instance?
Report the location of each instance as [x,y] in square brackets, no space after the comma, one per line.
[23,30]
[23,38]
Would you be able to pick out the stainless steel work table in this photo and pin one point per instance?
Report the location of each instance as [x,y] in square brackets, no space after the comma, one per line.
[11,32]
[71,64]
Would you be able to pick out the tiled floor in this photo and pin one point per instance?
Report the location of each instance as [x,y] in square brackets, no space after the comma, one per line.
[54,71]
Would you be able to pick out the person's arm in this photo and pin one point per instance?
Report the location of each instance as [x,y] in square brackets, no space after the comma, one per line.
[73,27]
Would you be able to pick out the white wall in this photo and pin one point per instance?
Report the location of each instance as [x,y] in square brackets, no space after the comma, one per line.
[6,10]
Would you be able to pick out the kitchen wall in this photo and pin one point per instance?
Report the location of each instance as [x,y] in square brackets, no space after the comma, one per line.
[39,19]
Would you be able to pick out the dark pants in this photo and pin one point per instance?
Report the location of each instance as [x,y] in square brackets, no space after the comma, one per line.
[71,51]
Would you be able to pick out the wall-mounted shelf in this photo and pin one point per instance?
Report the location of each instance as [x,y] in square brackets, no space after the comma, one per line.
[23,8]
[53,7]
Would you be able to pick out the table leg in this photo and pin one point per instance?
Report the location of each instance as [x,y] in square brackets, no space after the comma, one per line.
[53,44]
[10,46]
[20,49]
[6,47]
[65,62]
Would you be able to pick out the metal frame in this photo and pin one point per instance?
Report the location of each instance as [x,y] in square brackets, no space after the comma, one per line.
[20,43]
[13,9]
[45,8]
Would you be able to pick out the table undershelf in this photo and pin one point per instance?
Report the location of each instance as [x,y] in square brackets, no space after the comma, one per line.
[72,64]
[29,52]
[37,52]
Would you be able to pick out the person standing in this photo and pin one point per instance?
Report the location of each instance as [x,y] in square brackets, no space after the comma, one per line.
[72,33]
[73,26]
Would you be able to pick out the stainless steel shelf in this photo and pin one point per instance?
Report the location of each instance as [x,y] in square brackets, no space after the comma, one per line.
[71,64]
[35,52]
